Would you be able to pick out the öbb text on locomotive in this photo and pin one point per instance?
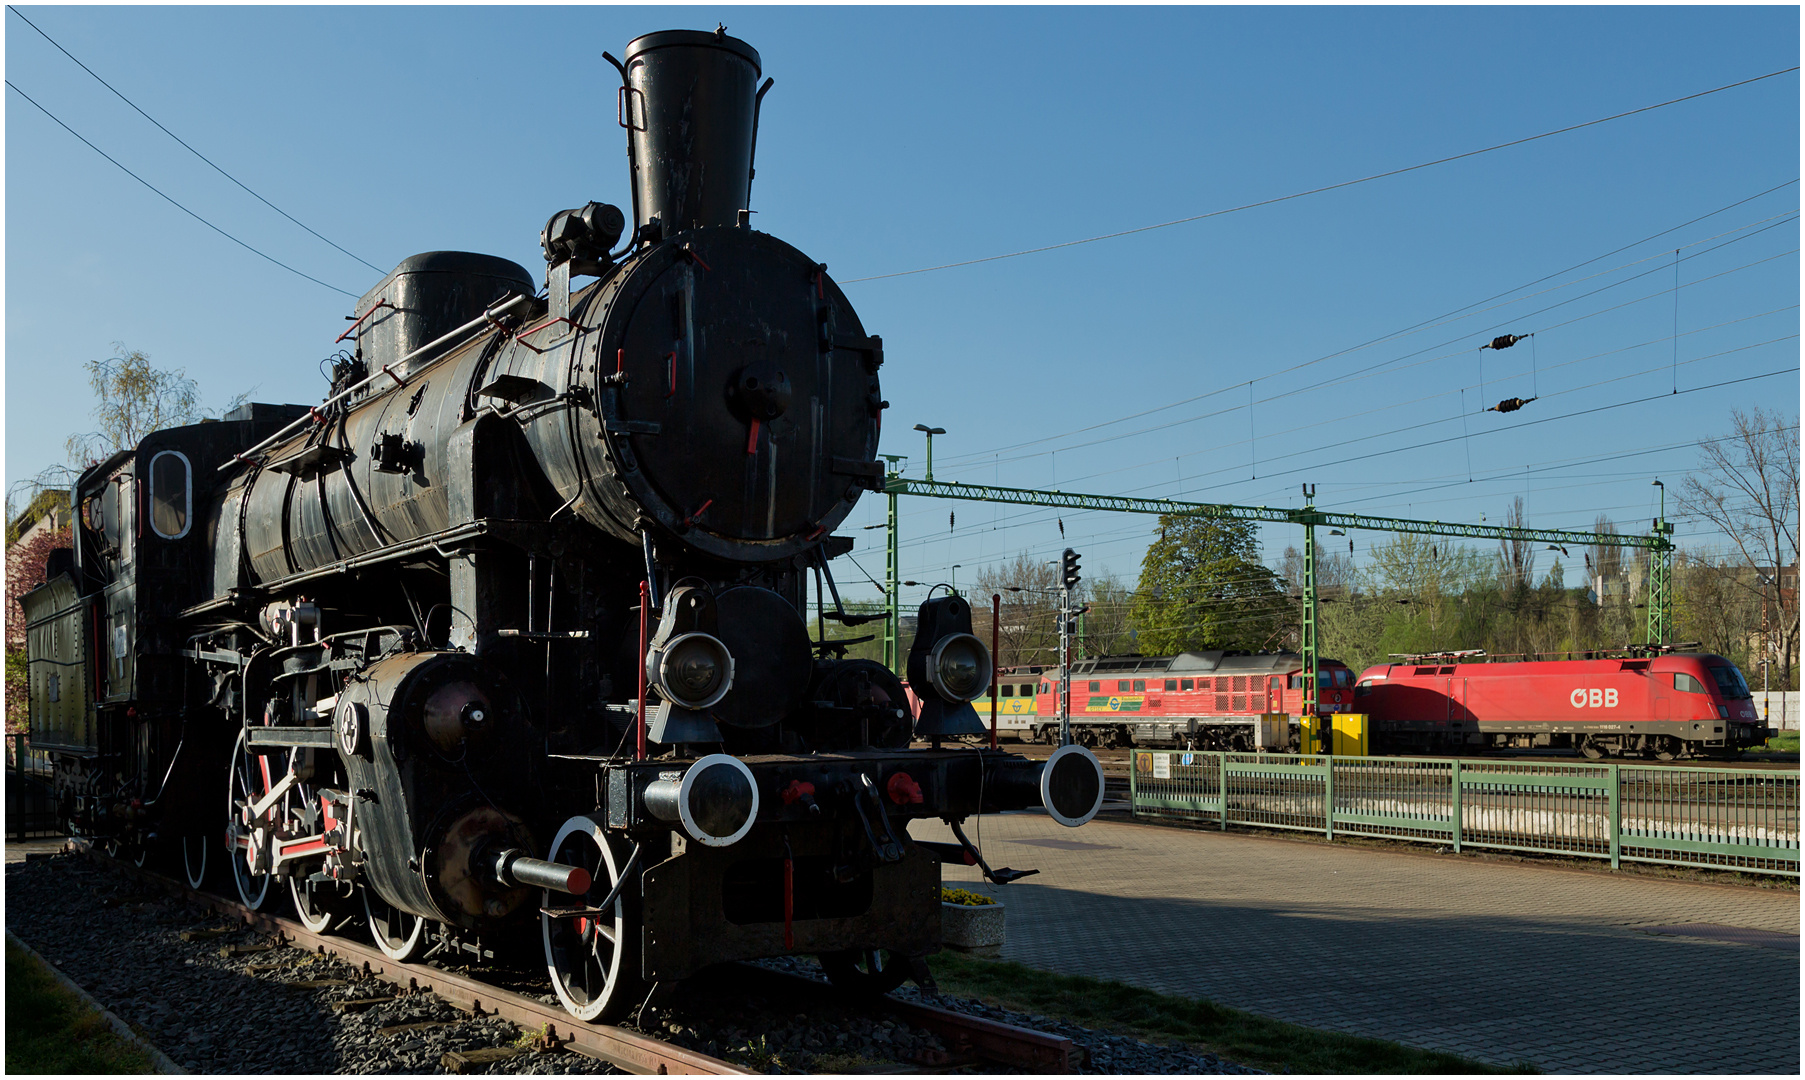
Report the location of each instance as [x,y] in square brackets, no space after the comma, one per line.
[502,645]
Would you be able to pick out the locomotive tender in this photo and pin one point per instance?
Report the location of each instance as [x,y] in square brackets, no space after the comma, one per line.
[505,639]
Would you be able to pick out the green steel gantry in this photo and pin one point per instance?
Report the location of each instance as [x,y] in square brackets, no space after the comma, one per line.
[1657,543]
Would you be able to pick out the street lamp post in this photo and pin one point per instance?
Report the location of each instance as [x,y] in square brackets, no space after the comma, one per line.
[1767,648]
[931,432]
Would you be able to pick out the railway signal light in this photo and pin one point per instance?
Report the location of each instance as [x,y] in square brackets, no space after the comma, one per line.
[1069,568]
[948,667]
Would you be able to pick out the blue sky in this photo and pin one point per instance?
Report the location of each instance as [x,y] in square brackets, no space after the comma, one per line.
[902,138]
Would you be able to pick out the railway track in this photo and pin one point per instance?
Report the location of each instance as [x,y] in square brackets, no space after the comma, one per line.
[968,1040]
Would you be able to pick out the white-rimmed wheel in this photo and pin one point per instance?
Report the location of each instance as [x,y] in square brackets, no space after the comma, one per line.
[400,935]
[318,904]
[124,850]
[246,842]
[591,950]
[195,847]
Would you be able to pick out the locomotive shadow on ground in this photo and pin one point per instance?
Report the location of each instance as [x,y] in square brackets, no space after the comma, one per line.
[1479,985]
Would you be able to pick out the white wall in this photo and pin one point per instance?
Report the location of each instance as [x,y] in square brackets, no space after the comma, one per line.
[1781,708]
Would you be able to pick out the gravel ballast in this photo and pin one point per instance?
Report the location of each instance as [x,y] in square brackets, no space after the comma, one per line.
[214,1010]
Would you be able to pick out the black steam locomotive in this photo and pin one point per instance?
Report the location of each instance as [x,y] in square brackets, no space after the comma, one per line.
[508,635]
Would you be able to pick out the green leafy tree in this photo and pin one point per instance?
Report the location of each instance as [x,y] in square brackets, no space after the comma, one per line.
[133,400]
[1203,586]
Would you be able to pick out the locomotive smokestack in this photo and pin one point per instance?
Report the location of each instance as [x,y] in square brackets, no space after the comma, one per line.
[692,111]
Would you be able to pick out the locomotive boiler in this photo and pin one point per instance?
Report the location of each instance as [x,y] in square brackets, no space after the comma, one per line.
[505,639]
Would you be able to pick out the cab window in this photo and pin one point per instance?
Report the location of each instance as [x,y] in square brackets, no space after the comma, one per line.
[1687,684]
[1364,688]
[1344,677]
[1729,682]
[171,495]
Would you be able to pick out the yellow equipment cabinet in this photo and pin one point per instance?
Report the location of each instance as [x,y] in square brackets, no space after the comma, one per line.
[1350,734]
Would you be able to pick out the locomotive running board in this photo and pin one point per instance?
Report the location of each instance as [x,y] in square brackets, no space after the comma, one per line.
[323,738]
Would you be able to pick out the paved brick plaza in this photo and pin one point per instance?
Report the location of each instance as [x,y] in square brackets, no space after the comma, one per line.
[1497,961]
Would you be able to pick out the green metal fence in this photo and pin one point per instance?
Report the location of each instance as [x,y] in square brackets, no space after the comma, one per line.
[1737,819]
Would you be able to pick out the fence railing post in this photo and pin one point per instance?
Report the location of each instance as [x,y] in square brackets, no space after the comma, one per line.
[1134,785]
[1222,788]
[1454,803]
[1328,796]
[1616,792]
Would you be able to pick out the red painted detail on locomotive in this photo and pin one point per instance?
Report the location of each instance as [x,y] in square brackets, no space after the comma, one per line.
[903,789]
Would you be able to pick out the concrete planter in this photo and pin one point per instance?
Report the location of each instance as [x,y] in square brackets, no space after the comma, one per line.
[977,930]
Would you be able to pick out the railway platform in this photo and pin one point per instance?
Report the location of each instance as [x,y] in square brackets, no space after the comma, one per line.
[1571,971]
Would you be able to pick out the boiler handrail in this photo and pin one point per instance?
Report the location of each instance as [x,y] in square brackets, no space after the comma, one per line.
[488,315]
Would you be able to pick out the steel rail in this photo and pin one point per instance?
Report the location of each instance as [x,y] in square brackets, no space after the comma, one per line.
[991,1040]
[639,1054]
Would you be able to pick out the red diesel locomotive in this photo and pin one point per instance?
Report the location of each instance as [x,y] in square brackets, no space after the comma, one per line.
[1201,700]
[1666,706]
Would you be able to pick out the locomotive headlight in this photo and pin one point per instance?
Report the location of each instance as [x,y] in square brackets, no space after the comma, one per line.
[694,670]
[959,667]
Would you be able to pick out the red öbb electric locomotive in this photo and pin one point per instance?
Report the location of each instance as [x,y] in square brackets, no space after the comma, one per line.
[1665,706]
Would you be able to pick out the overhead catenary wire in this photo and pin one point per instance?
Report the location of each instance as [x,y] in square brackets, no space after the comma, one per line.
[1375,370]
[1560,393]
[1327,187]
[1406,403]
[1430,397]
[1386,368]
[1542,420]
[1549,419]
[185,146]
[1759,226]
[953,461]
[1691,444]
[260,254]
